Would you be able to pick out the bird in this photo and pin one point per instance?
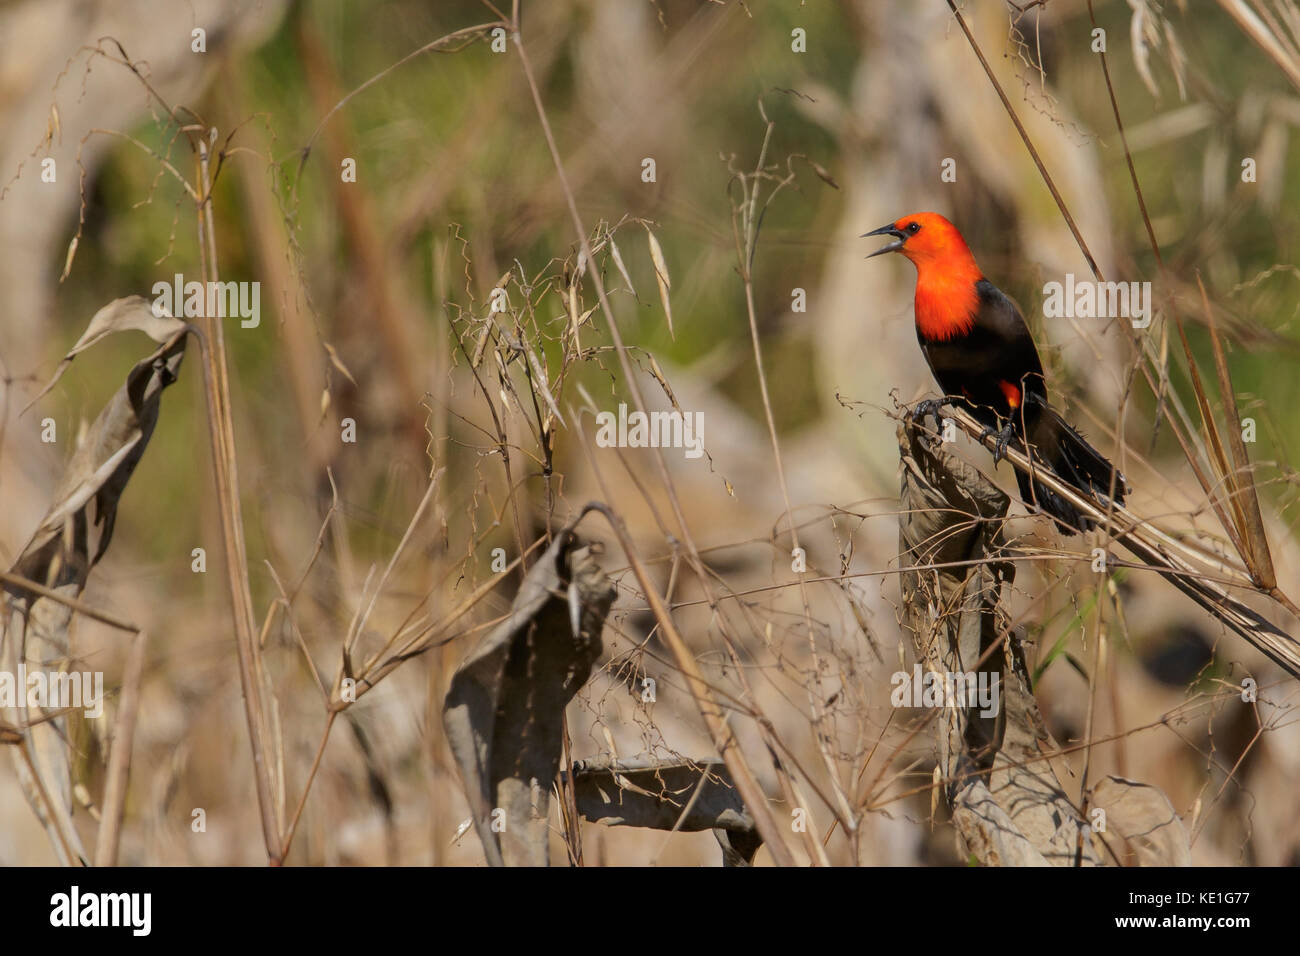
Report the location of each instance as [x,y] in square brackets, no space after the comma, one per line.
[982,354]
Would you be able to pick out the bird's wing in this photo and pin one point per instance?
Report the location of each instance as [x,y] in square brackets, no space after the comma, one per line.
[1000,320]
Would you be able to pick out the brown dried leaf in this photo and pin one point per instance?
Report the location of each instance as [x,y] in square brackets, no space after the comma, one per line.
[59,557]
[132,313]
[504,710]
[99,471]
[686,795]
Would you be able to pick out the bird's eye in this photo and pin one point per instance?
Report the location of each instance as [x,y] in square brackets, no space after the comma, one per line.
[913,227]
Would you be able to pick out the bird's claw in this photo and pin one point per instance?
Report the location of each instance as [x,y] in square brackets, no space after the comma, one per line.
[1004,439]
[927,406]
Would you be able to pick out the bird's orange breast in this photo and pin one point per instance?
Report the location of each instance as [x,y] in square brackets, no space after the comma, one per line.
[946,303]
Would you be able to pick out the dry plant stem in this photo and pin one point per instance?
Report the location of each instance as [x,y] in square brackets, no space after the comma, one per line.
[221,437]
[1094,688]
[119,760]
[58,825]
[1231,775]
[569,796]
[65,843]
[1029,762]
[306,787]
[276,264]
[423,637]
[120,757]
[467,34]
[503,447]
[362,233]
[364,617]
[770,739]
[1033,153]
[814,688]
[79,606]
[722,735]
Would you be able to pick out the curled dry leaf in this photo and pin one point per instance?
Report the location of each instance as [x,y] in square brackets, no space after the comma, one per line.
[93,482]
[63,550]
[132,313]
[686,795]
[504,710]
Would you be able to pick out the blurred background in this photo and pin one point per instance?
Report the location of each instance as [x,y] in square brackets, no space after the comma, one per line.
[373,293]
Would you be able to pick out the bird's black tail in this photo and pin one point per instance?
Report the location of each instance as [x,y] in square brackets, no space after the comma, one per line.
[1055,444]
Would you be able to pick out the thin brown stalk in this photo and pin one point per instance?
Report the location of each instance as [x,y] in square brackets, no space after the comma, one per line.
[119,758]
[1024,136]
[60,823]
[226,473]
[306,787]
[80,607]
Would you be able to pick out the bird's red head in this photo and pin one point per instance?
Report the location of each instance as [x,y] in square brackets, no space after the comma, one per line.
[928,239]
[946,272]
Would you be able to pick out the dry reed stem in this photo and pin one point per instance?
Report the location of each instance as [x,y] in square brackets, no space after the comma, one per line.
[74,604]
[119,758]
[226,474]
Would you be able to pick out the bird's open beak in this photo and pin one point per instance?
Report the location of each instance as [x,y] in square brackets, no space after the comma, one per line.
[887,230]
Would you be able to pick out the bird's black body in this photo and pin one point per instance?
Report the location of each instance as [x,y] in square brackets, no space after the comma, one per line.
[994,369]
[998,348]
